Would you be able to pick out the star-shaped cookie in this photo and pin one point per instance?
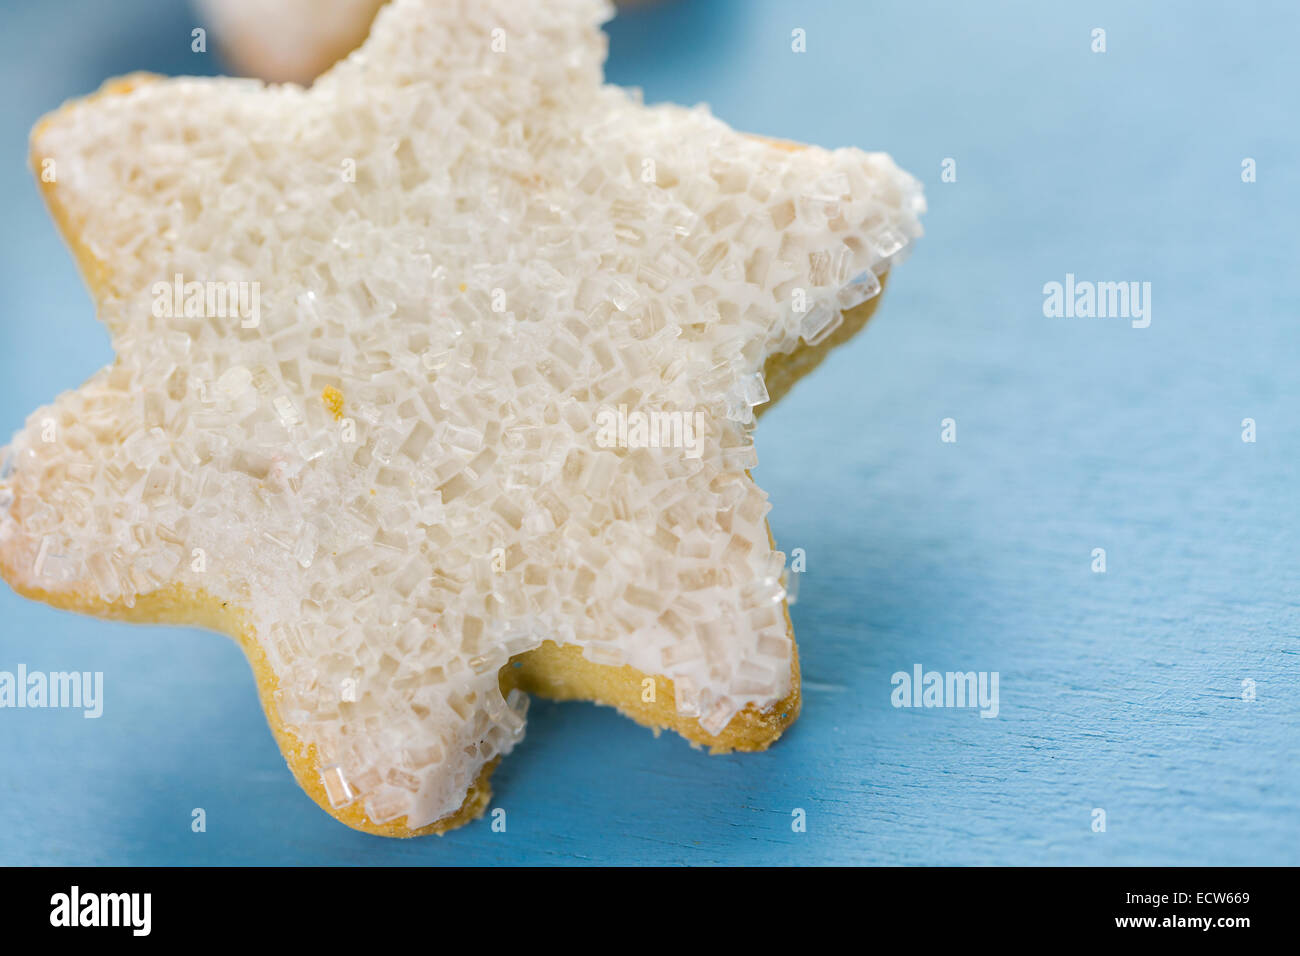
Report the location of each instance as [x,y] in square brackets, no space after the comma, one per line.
[435,386]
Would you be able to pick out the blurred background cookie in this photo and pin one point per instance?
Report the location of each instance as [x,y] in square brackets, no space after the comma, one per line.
[292,41]
[287,40]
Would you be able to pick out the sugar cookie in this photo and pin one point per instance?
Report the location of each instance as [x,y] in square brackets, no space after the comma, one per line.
[435,387]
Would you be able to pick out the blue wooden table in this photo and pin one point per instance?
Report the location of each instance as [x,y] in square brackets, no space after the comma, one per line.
[1125,691]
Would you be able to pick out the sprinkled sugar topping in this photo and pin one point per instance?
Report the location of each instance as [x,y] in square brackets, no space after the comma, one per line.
[454,353]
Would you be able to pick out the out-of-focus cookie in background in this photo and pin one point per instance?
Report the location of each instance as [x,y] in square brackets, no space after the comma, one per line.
[294,41]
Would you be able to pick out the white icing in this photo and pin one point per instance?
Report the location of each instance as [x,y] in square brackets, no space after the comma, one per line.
[499,273]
